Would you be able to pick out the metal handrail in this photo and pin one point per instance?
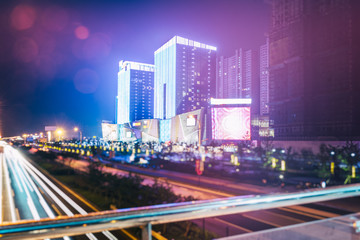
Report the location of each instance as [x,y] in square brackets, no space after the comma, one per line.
[166,213]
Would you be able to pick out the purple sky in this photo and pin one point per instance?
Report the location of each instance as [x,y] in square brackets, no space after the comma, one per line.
[51,77]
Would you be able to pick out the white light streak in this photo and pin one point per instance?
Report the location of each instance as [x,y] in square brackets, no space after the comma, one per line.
[36,174]
[1,183]
[8,187]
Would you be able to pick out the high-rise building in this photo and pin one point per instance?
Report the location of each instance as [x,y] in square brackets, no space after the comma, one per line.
[229,75]
[238,76]
[250,87]
[264,78]
[135,92]
[314,69]
[184,77]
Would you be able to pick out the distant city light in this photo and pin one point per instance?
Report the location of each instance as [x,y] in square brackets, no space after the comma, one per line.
[136,124]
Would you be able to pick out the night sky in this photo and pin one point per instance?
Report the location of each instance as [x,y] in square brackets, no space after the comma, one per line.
[59,59]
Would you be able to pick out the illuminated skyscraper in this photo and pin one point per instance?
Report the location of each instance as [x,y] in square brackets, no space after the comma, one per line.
[135,92]
[184,77]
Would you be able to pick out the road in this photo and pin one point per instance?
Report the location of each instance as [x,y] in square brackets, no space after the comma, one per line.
[208,188]
[27,193]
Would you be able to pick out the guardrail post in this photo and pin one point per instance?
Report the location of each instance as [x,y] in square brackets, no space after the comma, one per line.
[146,232]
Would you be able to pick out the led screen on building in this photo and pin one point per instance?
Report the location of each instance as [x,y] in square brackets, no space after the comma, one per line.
[231,123]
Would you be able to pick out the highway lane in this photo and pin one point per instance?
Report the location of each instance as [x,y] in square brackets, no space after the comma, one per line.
[82,203]
[33,195]
[252,221]
[233,224]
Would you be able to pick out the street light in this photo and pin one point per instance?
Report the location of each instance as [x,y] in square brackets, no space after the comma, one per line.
[332,164]
[59,133]
[76,129]
[25,136]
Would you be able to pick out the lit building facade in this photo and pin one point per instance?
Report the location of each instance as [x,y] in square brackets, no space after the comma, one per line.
[184,78]
[229,75]
[135,100]
[238,76]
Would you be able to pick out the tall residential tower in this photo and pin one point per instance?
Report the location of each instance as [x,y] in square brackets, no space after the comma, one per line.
[229,75]
[314,69]
[238,77]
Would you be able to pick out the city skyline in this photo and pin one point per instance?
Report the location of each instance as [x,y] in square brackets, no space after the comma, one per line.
[50,59]
[190,119]
[56,57]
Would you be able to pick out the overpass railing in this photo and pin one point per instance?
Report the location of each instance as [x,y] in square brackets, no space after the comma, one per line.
[166,213]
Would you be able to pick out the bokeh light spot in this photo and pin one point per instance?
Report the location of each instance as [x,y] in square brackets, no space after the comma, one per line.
[23,17]
[81,32]
[26,50]
[86,81]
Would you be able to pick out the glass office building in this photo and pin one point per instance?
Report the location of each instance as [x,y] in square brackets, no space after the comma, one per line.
[135,92]
[184,77]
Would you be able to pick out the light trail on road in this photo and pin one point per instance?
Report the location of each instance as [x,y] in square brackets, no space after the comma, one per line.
[28,183]
[8,190]
[181,185]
